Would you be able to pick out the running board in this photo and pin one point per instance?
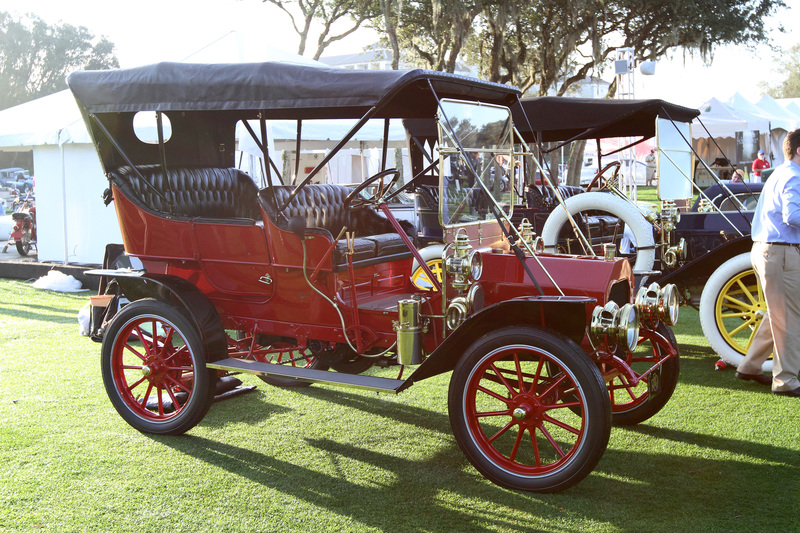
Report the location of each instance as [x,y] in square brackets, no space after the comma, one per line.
[309,375]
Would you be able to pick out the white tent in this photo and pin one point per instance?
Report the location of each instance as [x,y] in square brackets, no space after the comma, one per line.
[791,107]
[73,225]
[780,117]
[782,121]
[717,120]
[721,121]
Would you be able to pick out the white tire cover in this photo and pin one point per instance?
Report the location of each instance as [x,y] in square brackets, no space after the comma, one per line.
[630,215]
[708,299]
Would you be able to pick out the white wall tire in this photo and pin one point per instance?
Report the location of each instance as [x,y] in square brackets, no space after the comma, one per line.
[731,307]
[433,258]
[624,210]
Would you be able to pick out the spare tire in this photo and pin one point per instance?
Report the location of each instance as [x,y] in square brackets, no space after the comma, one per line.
[628,213]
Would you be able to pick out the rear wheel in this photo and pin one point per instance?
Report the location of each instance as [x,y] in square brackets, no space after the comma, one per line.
[24,244]
[154,368]
[529,409]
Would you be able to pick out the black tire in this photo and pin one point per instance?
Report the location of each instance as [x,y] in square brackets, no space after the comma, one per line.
[633,405]
[23,247]
[353,363]
[516,385]
[165,391]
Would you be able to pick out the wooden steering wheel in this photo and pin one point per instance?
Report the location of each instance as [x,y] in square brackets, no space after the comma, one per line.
[596,180]
[354,200]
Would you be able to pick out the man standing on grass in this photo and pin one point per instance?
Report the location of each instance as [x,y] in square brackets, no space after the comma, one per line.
[776,261]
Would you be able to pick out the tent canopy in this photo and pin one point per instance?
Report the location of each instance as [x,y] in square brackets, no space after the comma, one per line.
[719,120]
[780,118]
[52,119]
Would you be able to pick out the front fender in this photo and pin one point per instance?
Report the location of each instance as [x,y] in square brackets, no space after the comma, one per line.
[565,314]
[700,269]
[195,305]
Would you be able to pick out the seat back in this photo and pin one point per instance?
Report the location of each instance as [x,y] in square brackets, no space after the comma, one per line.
[322,207]
[220,193]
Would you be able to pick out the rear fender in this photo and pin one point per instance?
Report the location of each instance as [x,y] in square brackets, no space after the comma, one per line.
[185,296]
[564,314]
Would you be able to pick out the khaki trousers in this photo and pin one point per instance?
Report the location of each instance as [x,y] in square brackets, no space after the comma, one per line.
[778,271]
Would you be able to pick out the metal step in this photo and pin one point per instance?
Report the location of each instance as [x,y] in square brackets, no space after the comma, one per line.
[309,375]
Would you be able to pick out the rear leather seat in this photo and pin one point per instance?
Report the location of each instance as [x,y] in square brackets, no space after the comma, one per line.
[224,194]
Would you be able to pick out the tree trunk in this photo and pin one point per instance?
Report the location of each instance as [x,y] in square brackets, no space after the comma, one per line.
[575,163]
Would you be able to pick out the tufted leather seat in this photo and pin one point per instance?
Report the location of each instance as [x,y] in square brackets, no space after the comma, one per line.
[322,208]
[215,193]
[565,191]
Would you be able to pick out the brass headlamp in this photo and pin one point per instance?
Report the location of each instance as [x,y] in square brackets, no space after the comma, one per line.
[612,325]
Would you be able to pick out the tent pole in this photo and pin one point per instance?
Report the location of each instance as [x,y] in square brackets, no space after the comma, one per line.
[63,196]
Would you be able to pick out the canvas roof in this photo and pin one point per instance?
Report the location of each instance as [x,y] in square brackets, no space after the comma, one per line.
[284,90]
[557,118]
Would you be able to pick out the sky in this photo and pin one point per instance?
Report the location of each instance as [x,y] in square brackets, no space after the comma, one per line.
[150,31]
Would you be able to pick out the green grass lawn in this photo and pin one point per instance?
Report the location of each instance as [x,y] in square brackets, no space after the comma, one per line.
[723,455]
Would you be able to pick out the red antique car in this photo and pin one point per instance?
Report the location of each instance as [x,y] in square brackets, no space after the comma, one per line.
[304,282]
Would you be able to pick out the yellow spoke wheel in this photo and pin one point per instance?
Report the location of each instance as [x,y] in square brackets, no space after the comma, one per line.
[420,277]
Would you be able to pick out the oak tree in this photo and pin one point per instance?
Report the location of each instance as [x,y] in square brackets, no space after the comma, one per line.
[35,58]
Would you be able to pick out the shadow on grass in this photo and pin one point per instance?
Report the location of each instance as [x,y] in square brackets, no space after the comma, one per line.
[701,494]
[406,414]
[717,490]
[409,503]
[248,408]
[41,313]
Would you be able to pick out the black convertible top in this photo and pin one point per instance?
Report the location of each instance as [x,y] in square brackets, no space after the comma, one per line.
[555,118]
[286,90]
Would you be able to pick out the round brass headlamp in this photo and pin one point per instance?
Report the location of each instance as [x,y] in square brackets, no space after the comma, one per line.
[475,265]
[615,326]
[656,303]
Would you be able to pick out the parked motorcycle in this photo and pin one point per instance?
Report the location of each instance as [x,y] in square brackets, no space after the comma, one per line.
[24,232]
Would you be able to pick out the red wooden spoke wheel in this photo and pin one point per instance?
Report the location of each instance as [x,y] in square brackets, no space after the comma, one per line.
[153,367]
[632,404]
[529,409]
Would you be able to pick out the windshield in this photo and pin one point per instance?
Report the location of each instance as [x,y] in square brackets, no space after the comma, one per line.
[476,161]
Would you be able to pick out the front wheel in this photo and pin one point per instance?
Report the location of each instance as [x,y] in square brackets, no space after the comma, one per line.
[633,404]
[529,409]
[154,368]
[732,305]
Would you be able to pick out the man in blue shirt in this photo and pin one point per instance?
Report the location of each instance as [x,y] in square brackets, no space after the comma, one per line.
[776,260]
